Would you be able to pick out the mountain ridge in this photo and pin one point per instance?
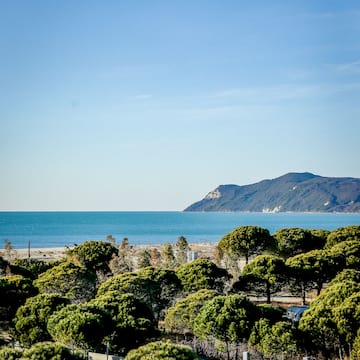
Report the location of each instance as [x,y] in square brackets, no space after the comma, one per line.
[292,192]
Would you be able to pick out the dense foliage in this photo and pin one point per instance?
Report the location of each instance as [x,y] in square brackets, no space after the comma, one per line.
[343,234]
[31,319]
[9,353]
[227,318]
[33,267]
[293,241]
[202,274]
[39,351]
[310,271]
[81,325]
[93,255]
[246,241]
[334,316]
[48,351]
[87,301]
[154,287]
[180,317]
[69,280]
[264,276]
[162,351]
[280,338]
[131,321]
[14,290]
[181,250]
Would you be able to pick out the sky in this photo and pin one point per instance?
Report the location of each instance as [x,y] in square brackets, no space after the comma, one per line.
[149,105]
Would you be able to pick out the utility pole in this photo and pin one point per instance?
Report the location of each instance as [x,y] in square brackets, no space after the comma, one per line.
[28,249]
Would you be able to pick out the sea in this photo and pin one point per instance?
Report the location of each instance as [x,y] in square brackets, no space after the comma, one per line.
[60,229]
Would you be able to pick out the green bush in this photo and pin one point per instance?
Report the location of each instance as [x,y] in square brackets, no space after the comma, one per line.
[162,351]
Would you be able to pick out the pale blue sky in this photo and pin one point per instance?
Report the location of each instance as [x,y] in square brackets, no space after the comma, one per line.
[148,105]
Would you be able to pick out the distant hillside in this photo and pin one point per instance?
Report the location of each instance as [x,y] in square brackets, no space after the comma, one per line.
[295,192]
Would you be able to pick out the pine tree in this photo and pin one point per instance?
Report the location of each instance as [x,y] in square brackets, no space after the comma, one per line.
[181,250]
[155,258]
[168,257]
[144,259]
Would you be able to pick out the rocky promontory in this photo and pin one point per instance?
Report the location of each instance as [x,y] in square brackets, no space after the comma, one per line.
[293,192]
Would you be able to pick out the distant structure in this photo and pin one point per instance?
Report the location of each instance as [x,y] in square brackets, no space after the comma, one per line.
[294,313]
[111,239]
[192,255]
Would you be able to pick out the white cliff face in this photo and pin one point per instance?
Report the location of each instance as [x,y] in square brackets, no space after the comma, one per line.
[215,194]
[276,209]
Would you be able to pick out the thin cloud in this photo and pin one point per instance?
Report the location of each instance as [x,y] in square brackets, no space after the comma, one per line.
[351,67]
[282,92]
[142,96]
[279,92]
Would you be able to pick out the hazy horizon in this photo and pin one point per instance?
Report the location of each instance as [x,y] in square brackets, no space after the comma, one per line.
[149,105]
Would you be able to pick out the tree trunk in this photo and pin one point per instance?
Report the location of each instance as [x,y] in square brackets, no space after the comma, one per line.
[303,295]
[268,294]
[318,288]
[227,350]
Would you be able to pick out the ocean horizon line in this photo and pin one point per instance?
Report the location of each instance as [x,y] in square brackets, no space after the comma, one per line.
[181,211]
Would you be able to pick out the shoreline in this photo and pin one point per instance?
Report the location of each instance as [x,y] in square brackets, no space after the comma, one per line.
[46,253]
[57,253]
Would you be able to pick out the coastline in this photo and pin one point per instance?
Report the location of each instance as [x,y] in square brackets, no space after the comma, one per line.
[46,253]
[57,253]
[48,229]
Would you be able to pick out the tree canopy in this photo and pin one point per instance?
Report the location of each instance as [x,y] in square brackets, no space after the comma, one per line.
[227,318]
[160,350]
[181,250]
[31,318]
[346,254]
[273,340]
[270,312]
[131,320]
[82,311]
[33,267]
[81,325]
[40,351]
[246,241]
[144,259]
[293,241]
[202,274]
[10,353]
[155,287]
[48,351]
[76,283]
[93,255]
[168,257]
[263,276]
[180,317]
[355,353]
[14,290]
[346,233]
[310,271]
[334,315]
[163,285]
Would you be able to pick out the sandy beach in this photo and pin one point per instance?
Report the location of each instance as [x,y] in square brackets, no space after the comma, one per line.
[42,253]
[56,253]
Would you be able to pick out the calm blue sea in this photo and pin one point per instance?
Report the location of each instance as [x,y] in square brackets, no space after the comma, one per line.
[59,229]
